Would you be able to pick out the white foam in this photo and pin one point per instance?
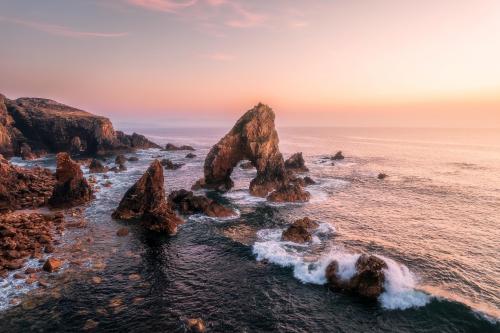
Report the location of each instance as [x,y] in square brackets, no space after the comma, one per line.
[308,267]
[201,217]
[243,197]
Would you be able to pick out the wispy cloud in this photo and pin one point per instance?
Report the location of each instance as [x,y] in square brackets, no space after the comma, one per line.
[244,18]
[59,29]
[219,56]
[169,6]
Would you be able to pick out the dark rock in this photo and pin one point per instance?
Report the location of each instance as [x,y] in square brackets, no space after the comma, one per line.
[252,138]
[296,163]
[133,159]
[169,165]
[300,231]
[172,147]
[190,155]
[46,125]
[309,181]
[71,188]
[195,325]
[338,156]
[120,159]
[146,201]
[187,203]
[368,281]
[97,167]
[382,176]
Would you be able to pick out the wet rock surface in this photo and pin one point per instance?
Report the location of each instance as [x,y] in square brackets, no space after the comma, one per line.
[368,281]
[190,155]
[24,188]
[246,165]
[96,166]
[169,165]
[172,147]
[71,188]
[291,192]
[300,231]
[296,163]
[185,202]
[382,176]
[145,201]
[27,235]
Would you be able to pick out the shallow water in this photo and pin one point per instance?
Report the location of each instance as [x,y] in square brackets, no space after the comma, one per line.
[434,220]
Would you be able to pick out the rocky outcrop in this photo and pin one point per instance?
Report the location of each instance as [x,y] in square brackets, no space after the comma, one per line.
[185,202]
[96,166]
[172,147]
[368,281]
[25,235]
[290,192]
[135,141]
[22,188]
[71,188]
[169,165]
[44,125]
[382,176]
[252,138]
[300,231]
[296,163]
[145,200]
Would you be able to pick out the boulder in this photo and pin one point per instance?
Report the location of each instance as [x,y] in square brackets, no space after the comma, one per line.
[252,138]
[96,166]
[52,265]
[120,159]
[300,231]
[291,192]
[195,325]
[296,163]
[172,147]
[190,155]
[46,125]
[133,159]
[145,201]
[338,156]
[122,232]
[382,176]
[185,202]
[71,188]
[368,280]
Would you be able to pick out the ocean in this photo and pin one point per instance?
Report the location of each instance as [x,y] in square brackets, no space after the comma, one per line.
[435,220]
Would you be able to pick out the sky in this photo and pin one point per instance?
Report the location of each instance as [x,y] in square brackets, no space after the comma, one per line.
[197,63]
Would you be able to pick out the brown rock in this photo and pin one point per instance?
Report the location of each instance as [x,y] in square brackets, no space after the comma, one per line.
[368,281]
[382,176]
[52,265]
[97,167]
[71,188]
[252,138]
[300,231]
[195,325]
[296,163]
[122,232]
[187,203]
[169,165]
[146,201]
[172,147]
[291,192]
[120,159]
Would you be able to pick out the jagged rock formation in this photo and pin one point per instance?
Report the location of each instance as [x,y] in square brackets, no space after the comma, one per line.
[289,192]
[185,202]
[368,281]
[296,163]
[300,231]
[22,188]
[169,165]
[71,188]
[172,147]
[145,200]
[45,125]
[252,138]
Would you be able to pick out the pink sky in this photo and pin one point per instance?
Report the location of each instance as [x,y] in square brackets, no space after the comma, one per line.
[316,62]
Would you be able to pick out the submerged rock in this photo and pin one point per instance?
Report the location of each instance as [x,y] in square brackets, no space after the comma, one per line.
[368,281]
[133,159]
[296,163]
[338,156]
[190,155]
[145,200]
[252,138]
[172,147]
[96,166]
[300,231]
[71,188]
[382,176]
[187,203]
